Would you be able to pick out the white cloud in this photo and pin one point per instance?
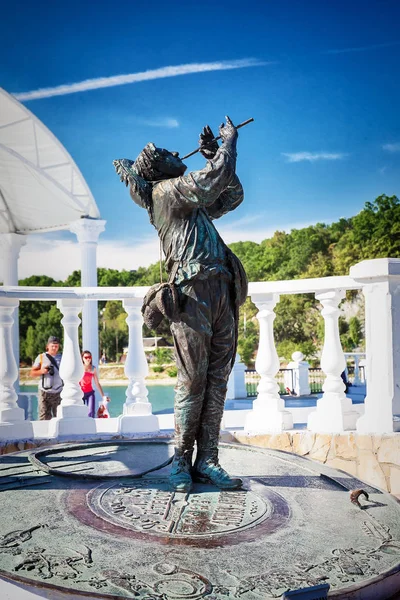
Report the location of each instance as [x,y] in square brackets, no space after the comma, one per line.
[58,258]
[161,73]
[391,147]
[168,122]
[312,156]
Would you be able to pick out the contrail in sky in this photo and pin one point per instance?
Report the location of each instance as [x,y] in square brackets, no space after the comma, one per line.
[161,73]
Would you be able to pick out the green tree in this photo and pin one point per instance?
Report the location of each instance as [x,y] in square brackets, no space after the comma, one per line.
[30,344]
[114,320]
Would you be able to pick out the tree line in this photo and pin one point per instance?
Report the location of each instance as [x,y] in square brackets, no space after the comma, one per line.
[316,251]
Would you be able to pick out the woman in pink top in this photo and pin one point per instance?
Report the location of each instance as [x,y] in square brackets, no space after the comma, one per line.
[86,383]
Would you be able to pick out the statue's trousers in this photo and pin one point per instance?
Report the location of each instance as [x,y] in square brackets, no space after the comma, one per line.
[205,343]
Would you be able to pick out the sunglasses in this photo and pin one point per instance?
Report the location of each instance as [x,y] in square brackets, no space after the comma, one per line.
[86,356]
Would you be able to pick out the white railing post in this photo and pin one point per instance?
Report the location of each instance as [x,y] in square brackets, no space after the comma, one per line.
[300,367]
[236,382]
[12,418]
[334,410]
[268,413]
[137,414]
[381,286]
[356,378]
[72,415]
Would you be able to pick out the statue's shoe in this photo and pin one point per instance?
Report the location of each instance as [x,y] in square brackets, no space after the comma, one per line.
[208,470]
[180,478]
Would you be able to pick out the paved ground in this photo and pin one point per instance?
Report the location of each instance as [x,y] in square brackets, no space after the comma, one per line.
[291,526]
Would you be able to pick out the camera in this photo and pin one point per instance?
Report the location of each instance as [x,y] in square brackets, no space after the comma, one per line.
[50,369]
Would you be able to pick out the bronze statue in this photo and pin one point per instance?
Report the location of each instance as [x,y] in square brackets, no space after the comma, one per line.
[208,283]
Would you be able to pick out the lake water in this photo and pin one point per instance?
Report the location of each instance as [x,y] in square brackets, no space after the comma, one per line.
[160,396]
[162,399]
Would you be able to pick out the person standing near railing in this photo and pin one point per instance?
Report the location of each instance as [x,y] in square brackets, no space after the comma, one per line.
[86,383]
[46,366]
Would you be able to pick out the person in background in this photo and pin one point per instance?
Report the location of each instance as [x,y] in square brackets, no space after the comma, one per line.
[46,366]
[86,383]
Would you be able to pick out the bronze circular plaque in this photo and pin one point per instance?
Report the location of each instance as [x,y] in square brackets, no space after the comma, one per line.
[149,506]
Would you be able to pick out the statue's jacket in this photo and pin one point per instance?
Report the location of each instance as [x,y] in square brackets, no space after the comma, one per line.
[183,212]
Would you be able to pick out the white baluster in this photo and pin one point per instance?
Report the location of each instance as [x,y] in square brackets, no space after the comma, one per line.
[72,415]
[137,414]
[334,411]
[12,418]
[268,414]
[380,278]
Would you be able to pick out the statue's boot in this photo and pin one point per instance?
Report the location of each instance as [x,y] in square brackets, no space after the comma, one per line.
[180,476]
[207,469]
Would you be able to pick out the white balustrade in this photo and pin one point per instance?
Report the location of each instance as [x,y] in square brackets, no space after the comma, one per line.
[268,413]
[137,413]
[381,285]
[334,410]
[12,418]
[380,280]
[72,415]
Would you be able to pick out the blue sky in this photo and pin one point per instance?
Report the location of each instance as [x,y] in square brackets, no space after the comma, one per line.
[322,84]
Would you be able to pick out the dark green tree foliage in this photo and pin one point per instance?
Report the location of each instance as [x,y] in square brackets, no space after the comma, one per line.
[316,251]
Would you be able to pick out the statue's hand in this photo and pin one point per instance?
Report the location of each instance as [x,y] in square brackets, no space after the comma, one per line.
[208,147]
[123,169]
[228,132]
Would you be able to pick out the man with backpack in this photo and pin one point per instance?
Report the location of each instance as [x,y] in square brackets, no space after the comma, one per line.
[46,366]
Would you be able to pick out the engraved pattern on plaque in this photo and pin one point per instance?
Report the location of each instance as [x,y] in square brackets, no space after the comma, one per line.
[149,506]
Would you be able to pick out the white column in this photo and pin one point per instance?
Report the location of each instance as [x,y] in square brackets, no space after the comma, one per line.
[334,410]
[236,381]
[137,414]
[12,418]
[87,232]
[72,415]
[268,414]
[381,286]
[11,244]
[300,369]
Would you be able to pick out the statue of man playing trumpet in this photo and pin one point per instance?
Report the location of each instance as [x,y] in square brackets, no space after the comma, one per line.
[210,283]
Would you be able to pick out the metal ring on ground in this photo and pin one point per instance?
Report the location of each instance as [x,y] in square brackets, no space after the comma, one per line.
[42,466]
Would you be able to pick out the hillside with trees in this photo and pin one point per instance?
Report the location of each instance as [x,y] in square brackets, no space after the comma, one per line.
[316,251]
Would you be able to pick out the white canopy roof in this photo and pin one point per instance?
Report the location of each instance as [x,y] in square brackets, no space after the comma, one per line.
[41,188]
